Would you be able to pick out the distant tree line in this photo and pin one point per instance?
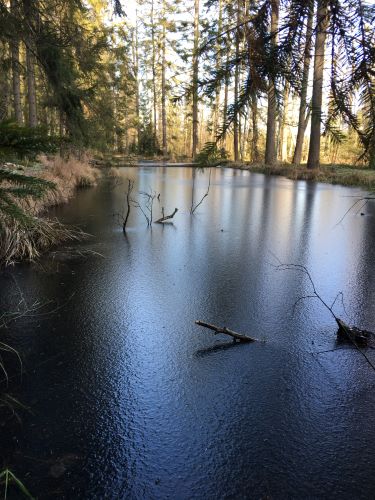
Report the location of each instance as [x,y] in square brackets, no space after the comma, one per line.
[262,79]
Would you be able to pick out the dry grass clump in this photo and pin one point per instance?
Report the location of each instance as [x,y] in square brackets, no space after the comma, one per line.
[18,242]
[25,233]
[68,175]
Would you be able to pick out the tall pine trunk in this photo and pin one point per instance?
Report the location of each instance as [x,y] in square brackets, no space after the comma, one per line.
[16,67]
[195,79]
[218,65]
[226,93]
[236,86]
[31,14]
[282,124]
[255,156]
[270,155]
[317,96]
[163,89]
[4,82]
[136,74]
[153,63]
[31,88]
[16,81]
[303,109]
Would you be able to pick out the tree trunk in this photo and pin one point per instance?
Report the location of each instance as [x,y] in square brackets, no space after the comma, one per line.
[195,79]
[243,136]
[317,96]
[282,124]
[136,73]
[16,80]
[236,87]
[270,156]
[31,14]
[218,65]
[154,124]
[255,156]
[302,122]
[163,89]
[226,94]
[4,82]
[31,91]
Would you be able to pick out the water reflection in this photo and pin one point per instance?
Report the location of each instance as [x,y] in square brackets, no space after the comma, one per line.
[223,346]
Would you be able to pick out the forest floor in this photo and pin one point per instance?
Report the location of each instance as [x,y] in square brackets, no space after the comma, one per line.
[345,175]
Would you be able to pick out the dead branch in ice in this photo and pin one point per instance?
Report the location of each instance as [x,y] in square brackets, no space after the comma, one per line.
[147,208]
[226,331]
[193,208]
[166,218]
[353,334]
[128,205]
[361,199]
[122,218]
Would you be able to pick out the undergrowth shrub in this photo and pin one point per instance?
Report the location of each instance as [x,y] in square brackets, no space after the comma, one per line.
[211,155]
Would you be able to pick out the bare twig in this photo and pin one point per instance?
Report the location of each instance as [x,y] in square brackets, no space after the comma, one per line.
[150,198]
[193,209]
[315,294]
[128,194]
[136,204]
[363,198]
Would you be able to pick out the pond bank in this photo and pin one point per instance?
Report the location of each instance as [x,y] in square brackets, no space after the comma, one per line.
[343,175]
[28,191]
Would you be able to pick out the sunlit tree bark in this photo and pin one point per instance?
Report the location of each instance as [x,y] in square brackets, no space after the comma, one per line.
[270,154]
[304,111]
[195,79]
[317,96]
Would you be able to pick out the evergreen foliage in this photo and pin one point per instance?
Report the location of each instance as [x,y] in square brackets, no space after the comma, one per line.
[148,144]
[15,191]
[211,155]
[18,141]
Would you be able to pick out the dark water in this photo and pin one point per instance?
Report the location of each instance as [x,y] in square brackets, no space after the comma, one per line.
[129,399]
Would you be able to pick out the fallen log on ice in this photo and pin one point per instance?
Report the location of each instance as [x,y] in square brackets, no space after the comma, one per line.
[226,331]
